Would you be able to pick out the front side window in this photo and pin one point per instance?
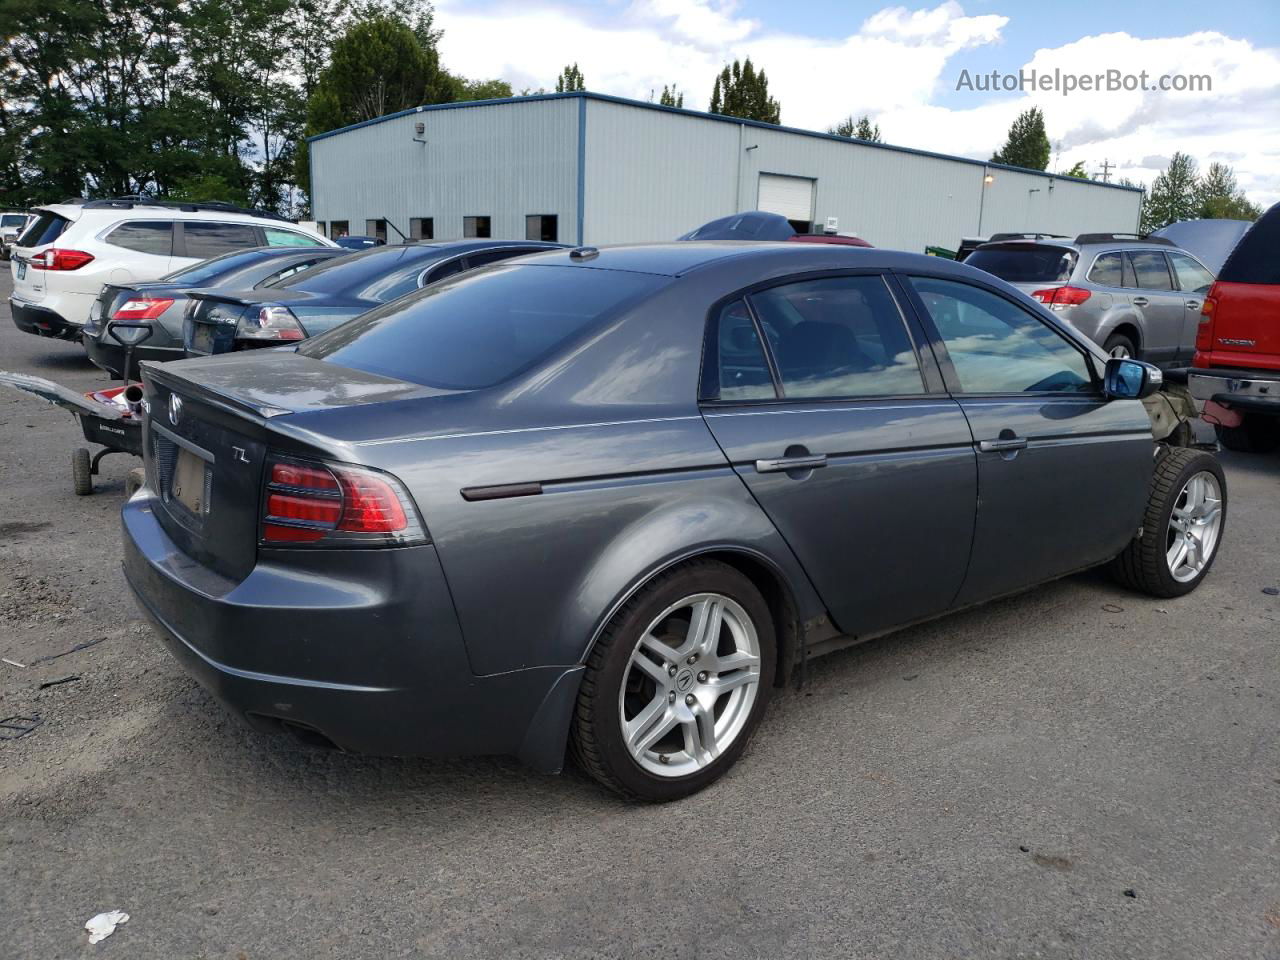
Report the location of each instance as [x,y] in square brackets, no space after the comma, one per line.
[1151,270]
[996,346]
[543,226]
[476,227]
[739,370]
[277,237]
[1192,277]
[206,239]
[144,236]
[838,337]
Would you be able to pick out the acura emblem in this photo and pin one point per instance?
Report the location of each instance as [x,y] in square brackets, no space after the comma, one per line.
[175,408]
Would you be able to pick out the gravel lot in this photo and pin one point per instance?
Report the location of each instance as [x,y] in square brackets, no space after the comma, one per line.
[991,785]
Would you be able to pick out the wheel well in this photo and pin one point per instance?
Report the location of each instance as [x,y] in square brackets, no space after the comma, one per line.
[1130,331]
[776,593]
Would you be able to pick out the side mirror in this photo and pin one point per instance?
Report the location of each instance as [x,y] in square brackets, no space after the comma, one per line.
[1128,379]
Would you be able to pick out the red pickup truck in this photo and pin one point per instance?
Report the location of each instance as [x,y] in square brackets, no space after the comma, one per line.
[1236,368]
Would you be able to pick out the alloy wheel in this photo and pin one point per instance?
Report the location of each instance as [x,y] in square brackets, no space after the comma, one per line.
[1194,526]
[690,685]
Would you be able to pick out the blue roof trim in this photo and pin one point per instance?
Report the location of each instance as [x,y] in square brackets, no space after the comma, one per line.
[682,111]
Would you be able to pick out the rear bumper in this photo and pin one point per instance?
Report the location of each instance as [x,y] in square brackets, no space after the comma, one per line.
[360,647]
[1237,390]
[41,321]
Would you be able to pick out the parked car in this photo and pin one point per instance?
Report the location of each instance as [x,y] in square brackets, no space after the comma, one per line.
[1237,361]
[1136,296]
[1209,241]
[358,243]
[614,497]
[64,258]
[11,226]
[332,293]
[162,303]
[759,225]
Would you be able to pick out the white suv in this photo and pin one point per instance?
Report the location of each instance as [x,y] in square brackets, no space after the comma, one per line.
[63,259]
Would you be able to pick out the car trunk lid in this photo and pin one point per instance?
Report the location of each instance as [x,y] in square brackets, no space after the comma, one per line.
[209,430]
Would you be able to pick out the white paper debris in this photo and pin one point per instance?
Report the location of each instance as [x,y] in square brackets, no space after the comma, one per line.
[104,924]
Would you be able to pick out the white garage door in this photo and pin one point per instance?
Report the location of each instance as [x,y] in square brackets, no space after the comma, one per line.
[790,196]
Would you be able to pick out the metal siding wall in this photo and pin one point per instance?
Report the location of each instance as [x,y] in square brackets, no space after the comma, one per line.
[652,175]
[1025,202]
[503,161]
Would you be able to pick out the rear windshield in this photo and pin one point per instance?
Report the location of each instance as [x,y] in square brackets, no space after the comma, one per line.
[48,226]
[1256,258]
[1024,262]
[204,272]
[356,273]
[480,328]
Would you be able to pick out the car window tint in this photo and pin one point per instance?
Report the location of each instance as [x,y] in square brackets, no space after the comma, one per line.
[1192,277]
[838,337]
[201,274]
[354,272]
[481,257]
[480,328]
[394,284]
[1254,258]
[1024,262]
[1108,270]
[446,269]
[144,236]
[281,273]
[739,370]
[206,239]
[996,346]
[1152,271]
[45,228]
[276,237]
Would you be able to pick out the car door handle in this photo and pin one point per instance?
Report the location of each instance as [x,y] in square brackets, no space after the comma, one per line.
[1139,301]
[1193,304]
[1003,445]
[783,464]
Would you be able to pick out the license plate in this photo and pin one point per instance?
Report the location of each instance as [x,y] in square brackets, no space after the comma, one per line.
[188,482]
[22,269]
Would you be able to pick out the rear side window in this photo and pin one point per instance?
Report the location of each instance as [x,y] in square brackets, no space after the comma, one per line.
[277,237]
[46,228]
[838,337]
[144,236]
[1108,270]
[739,370]
[1024,262]
[1151,269]
[996,346]
[1192,277]
[205,239]
[478,329]
[1256,258]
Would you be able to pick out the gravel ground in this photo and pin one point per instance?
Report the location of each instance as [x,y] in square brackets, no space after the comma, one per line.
[1074,773]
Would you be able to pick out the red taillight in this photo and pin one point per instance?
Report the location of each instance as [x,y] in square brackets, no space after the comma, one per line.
[307,503]
[142,308]
[1061,296]
[54,259]
[1204,332]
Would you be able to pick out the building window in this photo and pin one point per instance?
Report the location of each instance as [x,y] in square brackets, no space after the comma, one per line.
[422,228]
[338,228]
[320,228]
[542,226]
[476,227]
[376,229]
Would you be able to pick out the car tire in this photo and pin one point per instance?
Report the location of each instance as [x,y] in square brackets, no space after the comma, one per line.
[631,693]
[1254,435]
[1182,528]
[1117,341]
[81,477]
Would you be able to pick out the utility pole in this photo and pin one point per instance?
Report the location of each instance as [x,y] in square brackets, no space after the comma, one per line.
[1106,171]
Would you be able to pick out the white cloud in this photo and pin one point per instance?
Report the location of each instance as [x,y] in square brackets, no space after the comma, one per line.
[893,65]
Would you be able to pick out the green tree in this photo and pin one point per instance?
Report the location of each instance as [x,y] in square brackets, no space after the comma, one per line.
[1218,196]
[860,129]
[1078,171]
[1027,144]
[1172,196]
[482,89]
[570,80]
[671,96]
[739,91]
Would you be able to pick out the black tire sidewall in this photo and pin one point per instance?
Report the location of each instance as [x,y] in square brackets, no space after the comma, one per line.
[705,577]
[1116,339]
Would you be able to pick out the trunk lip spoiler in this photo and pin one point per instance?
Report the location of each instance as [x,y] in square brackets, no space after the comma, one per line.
[225,402]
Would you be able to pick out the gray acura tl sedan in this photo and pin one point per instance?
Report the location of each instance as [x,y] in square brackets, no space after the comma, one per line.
[609,500]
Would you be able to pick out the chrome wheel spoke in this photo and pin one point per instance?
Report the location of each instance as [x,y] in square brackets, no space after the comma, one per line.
[1194,526]
[656,730]
[1177,554]
[700,737]
[731,681]
[665,651]
[738,660]
[704,628]
[653,671]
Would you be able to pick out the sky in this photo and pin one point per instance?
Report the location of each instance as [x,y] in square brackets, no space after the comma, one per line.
[905,66]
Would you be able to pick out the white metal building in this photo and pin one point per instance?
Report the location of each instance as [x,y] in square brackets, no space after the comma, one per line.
[592,169]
